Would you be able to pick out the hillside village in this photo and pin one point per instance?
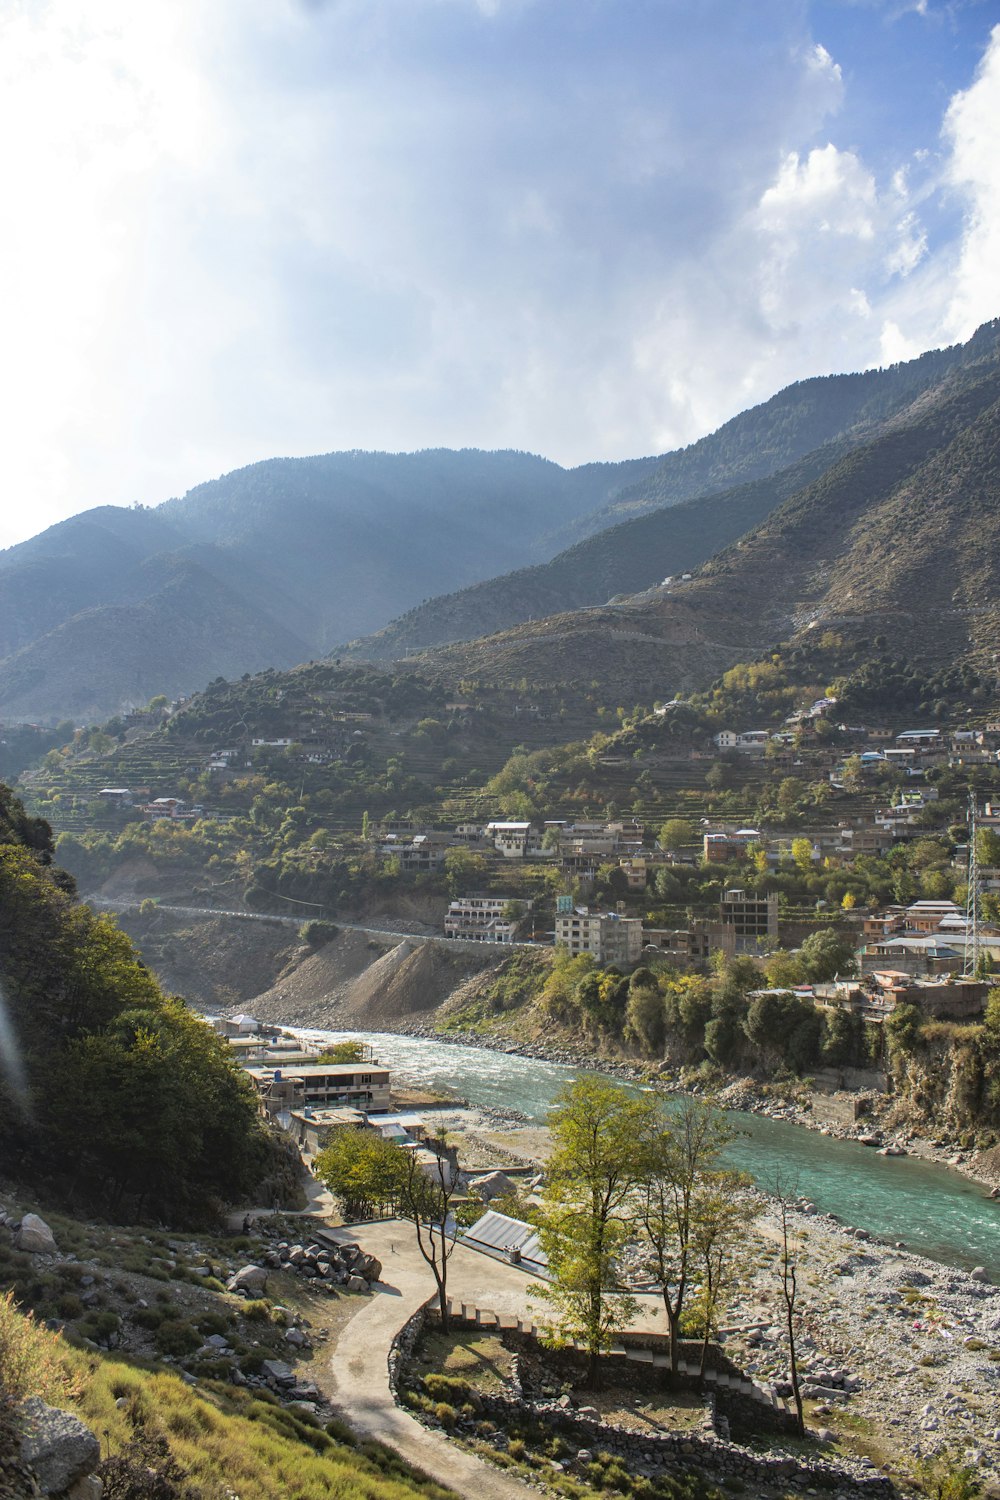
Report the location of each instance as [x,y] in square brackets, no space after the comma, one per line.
[538,880]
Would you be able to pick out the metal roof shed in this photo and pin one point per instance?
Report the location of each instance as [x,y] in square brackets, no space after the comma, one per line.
[508,1239]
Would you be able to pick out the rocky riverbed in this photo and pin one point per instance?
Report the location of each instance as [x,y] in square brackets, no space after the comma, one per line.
[895,1349]
[899,1355]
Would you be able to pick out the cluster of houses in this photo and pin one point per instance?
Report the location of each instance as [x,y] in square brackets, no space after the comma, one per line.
[311,1099]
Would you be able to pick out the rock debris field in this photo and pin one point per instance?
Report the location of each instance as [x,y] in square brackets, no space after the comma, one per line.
[891,1346]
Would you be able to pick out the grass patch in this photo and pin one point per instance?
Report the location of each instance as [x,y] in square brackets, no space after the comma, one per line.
[478,1361]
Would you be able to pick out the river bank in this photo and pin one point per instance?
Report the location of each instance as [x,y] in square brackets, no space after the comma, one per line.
[899,1355]
[744,1095]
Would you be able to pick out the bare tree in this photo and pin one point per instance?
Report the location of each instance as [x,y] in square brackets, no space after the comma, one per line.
[425,1197]
[787,1272]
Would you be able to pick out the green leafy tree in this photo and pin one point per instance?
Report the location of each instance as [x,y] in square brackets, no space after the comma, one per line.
[596,1126]
[680,1154]
[344,1052]
[826,954]
[363,1170]
[722,1215]
[367,1172]
[675,833]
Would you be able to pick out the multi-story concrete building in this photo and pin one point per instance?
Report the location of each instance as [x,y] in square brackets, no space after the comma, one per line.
[749,923]
[485,919]
[611,939]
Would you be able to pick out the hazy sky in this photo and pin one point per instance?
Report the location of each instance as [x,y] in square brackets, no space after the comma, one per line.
[588,228]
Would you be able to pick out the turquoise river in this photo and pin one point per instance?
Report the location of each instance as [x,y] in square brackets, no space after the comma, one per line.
[937,1212]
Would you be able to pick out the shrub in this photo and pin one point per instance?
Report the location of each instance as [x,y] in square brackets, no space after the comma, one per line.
[257,1311]
[446,1388]
[176,1338]
[99,1326]
[29,1355]
[148,1317]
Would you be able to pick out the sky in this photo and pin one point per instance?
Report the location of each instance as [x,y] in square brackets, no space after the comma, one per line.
[591,229]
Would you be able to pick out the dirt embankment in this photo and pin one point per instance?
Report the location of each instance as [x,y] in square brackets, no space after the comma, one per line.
[358,983]
[214,962]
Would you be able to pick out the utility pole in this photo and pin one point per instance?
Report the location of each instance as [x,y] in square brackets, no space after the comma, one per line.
[972,898]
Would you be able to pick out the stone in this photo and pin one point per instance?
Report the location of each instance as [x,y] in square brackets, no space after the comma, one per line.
[56,1445]
[357,1284]
[276,1372]
[296,1337]
[35,1236]
[248,1279]
[979,1273]
[492,1185]
[217,1341]
[87,1488]
[369,1267]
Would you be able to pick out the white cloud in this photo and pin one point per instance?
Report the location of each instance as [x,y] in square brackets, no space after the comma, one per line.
[972,130]
[272,226]
[830,192]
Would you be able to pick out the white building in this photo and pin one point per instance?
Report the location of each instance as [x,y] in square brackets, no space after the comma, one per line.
[510,838]
[481,919]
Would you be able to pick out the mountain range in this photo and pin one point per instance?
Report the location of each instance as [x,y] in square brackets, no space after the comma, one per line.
[276,563]
[898,538]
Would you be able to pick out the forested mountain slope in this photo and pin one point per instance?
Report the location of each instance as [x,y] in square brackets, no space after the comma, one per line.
[841,412]
[624,559]
[901,537]
[268,566]
[109,1091]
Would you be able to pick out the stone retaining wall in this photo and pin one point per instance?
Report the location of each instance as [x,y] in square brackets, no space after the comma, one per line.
[711,1449]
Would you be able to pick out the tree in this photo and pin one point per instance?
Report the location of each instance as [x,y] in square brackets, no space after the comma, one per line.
[344,1052]
[790,790]
[852,773]
[644,1016]
[826,954]
[787,1273]
[368,1173]
[722,1213]
[679,1156]
[363,1170]
[716,778]
[675,833]
[426,1199]
[802,854]
[595,1164]
[465,869]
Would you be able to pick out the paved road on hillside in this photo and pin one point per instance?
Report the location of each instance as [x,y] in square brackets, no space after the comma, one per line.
[360,1363]
[370,930]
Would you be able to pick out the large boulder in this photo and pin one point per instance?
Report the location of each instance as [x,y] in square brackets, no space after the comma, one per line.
[56,1445]
[492,1185]
[248,1279]
[35,1236]
[368,1266]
